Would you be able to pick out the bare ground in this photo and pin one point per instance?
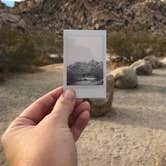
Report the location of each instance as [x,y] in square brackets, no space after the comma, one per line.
[133,134]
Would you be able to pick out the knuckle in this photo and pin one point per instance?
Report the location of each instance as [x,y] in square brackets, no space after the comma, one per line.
[65,103]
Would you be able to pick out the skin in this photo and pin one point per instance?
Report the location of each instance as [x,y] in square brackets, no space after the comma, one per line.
[46,132]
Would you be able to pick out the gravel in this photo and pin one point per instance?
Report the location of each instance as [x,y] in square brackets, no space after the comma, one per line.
[133,134]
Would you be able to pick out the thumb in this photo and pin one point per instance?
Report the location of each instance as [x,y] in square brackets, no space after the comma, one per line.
[64,106]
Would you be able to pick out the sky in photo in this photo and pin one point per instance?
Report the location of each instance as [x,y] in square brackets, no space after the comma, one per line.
[84,49]
[10,3]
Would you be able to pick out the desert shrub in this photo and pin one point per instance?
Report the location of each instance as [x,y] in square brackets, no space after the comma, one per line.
[16,50]
[134,45]
[46,44]
[159,45]
[21,51]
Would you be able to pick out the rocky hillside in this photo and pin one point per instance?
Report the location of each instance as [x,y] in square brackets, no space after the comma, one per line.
[56,15]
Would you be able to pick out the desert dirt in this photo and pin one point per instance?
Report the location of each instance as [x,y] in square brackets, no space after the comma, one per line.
[132,134]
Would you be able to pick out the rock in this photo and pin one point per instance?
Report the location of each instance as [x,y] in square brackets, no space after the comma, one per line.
[55,57]
[6,17]
[153,60]
[97,26]
[142,67]
[21,24]
[116,58]
[108,57]
[125,78]
[114,15]
[100,107]
[12,20]
[148,51]
[163,62]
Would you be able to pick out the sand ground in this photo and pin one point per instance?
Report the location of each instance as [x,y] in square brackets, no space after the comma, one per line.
[133,134]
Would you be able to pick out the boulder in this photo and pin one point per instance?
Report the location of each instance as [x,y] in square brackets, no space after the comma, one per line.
[142,67]
[125,78]
[108,58]
[100,107]
[114,15]
[55,58]
[163,62]
[153,60]
[12,20]
[116,58]
[21,24]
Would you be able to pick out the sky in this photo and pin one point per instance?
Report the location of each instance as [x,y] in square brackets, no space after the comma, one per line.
[10,3]
[84,49]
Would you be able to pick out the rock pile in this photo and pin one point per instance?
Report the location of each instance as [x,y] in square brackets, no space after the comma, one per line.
[124,78]
[3,7]
[25,6]
[150,15]
[15,21]
[93,14]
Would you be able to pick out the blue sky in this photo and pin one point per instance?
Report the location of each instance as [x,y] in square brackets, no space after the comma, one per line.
[10,3]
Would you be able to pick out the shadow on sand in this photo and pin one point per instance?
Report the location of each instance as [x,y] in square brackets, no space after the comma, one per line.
[149,111]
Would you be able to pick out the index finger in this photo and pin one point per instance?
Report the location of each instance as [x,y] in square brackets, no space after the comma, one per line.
[43,106]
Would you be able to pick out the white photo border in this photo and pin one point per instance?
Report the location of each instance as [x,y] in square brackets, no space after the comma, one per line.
[94,91]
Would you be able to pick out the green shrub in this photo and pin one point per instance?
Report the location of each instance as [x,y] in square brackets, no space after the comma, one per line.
[159,45]
[21,51]
[134,45]
[47,43]
[16,50]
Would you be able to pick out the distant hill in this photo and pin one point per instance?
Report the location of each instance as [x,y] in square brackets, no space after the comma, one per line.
[55,15]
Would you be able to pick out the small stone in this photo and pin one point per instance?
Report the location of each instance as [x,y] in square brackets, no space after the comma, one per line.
[96,26]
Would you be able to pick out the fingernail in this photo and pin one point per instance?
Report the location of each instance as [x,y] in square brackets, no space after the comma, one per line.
[69,94]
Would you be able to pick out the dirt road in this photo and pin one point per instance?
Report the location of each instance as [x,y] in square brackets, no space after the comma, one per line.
[133,134]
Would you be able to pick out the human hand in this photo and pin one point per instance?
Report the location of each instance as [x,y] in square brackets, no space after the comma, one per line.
[45,133]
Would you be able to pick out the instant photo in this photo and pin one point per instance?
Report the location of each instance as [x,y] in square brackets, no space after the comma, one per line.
[85,62]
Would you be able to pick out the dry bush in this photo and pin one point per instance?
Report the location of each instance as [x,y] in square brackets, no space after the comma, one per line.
[16,50]
[159,45]
[47,43]
[134,45]
[22,51]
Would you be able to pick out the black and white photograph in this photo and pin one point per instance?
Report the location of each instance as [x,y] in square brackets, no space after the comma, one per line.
[84,59]
[85,73]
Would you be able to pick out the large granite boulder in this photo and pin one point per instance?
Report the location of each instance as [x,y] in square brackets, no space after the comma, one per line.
[142,67]
[100,107]
[12,20]
[163,62]
[154,61]
[125,78]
